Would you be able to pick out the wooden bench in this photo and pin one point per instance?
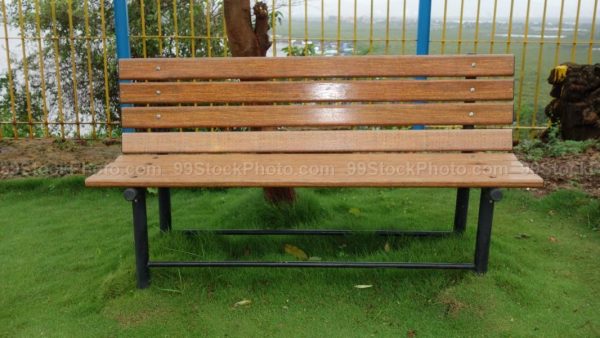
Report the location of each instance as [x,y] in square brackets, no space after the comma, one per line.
[175,97]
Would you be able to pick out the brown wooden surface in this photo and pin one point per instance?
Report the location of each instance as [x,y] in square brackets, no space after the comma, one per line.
[321,67]
[318,141]
[317,91]
[316,170]
[318,115]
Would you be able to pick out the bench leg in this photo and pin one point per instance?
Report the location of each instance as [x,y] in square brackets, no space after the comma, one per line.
[137,197]
[484,227]
[164,209]
[462,208]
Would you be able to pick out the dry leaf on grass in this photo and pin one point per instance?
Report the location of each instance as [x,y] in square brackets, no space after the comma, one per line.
[295,251]
[242,302]
[363,286]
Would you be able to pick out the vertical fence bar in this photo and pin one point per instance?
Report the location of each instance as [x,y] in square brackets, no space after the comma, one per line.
[224,39]
[423,35]
[11,89]
[208,28]
[193,30]
[322,27]
[25,69]
[510,25]
[339,25]
[143,28]
[273,28]
[476,37]
[175,28]
[559,33]
[539,67]
[444,23]
[159,27]
[289,27]
[387,28]
[122,37]
[460,27]
[305,27]
[38,31]
[74,68]
[493,33]
[592,32]
[371,29]
[355,28]
[404,28]
[88,47]
[523,61]
[575,32]
[105,68]
[55,38]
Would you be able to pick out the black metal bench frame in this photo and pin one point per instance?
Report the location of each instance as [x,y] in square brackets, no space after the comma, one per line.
[137,196]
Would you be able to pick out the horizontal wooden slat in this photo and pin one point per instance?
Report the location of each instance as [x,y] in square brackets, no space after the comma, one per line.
[317,115]
[316,170]
[321,67]
[318,141]
[316,91]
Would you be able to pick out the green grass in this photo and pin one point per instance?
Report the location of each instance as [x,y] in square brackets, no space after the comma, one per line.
[67,266]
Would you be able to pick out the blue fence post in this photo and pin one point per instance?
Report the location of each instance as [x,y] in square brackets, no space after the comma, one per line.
[424,27]
[423,34]
[122,37]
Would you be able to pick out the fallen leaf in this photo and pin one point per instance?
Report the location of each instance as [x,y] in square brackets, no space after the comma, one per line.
[295,251]
[411,334]
[363,286]
[242,302]
[552,239]
[387,247]
[354,211]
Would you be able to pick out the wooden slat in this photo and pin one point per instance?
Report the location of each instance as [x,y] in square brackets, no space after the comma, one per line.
[316,91]
[321,67]
[318,115]
[318,141]
[316,170]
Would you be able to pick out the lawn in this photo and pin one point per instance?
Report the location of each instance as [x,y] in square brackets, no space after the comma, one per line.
[67,266]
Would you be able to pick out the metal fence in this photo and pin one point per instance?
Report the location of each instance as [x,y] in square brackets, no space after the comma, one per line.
[58,66]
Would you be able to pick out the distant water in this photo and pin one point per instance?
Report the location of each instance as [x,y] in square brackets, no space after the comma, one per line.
[546,36]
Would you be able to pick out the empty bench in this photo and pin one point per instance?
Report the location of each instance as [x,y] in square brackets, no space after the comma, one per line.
[311,106]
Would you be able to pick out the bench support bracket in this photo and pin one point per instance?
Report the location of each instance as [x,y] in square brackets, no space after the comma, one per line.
[137,197]
[462,208]
[164,209]
[484,227]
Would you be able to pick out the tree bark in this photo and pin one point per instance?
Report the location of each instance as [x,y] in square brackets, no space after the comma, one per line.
[245,41]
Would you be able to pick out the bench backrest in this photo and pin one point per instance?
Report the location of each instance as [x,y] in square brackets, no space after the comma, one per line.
[175,94]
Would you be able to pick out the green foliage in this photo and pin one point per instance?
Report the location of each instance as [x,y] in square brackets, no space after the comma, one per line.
[306,50]
[83,93]
[535,149]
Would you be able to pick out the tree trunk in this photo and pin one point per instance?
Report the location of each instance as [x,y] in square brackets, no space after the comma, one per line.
[244,41]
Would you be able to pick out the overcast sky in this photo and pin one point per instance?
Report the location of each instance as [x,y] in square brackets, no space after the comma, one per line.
[470,8]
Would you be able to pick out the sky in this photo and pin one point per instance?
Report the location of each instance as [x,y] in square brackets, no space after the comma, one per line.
[470,8]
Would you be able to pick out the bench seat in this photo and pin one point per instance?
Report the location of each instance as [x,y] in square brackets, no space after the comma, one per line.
[317,170]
